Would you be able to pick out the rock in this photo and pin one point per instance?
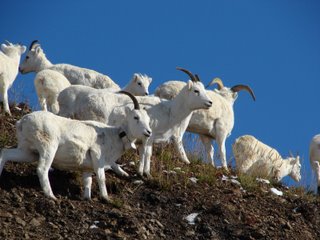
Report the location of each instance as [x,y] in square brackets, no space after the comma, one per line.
[35,222]
[20,221]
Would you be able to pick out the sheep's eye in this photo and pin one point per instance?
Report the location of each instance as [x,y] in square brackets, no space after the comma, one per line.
[136,118]
[27,57]
[139,83]
[196,91]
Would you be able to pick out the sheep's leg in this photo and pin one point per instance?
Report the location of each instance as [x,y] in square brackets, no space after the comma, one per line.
[180,149]
[4,92]
[118,170]
[147,163]
[221,141]
[207,142]
[87,182]
[43,103]
[14,155]
[141,149]
[45,162]
[55,107]
[101,176]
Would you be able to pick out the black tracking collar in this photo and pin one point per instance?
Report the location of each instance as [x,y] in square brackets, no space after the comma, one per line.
[122,134]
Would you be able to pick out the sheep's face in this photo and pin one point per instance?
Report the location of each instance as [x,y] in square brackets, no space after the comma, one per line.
[32,61]
[12,50]
[296,169]
[197,97]
[139,84]
[138,123]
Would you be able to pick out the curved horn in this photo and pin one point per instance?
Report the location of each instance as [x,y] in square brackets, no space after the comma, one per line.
[197,77]
[193,79]
[240,87]
[133,98]
[8,43]
[217,81]
[33,43]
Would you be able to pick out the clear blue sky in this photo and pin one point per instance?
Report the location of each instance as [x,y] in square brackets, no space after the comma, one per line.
[273,46]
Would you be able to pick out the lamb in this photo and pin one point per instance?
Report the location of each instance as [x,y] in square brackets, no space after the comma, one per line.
[9,63]
[85,146]
[167,117]
[258,159]
[214,124]
[138,85]
[50,83]
[314,155]
[36,60]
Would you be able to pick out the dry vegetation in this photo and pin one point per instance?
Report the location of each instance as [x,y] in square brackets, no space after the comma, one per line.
[151,208]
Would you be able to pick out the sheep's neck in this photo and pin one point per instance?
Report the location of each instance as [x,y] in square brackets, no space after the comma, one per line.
[179,109]
[285,168]
[44,64]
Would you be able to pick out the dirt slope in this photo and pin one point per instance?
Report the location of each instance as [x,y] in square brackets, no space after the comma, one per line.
[153,209]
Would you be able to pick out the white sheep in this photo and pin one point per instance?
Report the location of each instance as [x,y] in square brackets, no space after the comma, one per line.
[314,155]
[214,124]
[49,84]
[138,85]
[85,146]
[36,60]
[260,160]
[167,117]
[9,64]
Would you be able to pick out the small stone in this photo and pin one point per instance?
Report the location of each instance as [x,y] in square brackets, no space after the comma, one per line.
[35,223]
[20,221]
[190,233]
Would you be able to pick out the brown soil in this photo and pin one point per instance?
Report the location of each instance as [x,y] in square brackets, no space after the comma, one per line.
[151,210]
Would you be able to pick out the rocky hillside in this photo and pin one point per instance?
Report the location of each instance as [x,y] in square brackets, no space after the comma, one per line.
[180,202]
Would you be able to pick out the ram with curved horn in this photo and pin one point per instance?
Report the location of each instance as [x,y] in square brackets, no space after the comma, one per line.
[215,123]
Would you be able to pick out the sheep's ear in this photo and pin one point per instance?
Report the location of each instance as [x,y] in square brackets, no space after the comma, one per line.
[3,46]
[23,49]
[127,110]
[150,80]
[135,77]
[38,50]
[190,84]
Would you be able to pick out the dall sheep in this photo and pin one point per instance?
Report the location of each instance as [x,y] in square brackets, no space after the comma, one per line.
[215,123]
[167,117]
[85,146]
[36,60]
[10,55]
[314,155]
[260,160]
[50,83]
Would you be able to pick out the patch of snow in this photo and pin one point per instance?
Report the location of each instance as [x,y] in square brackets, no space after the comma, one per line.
[191,218]
[235,182]
[276,191]
[193,179]
[137,182]
[93,226]
[224,178]
[132,163]
[266,181]
[234,177]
